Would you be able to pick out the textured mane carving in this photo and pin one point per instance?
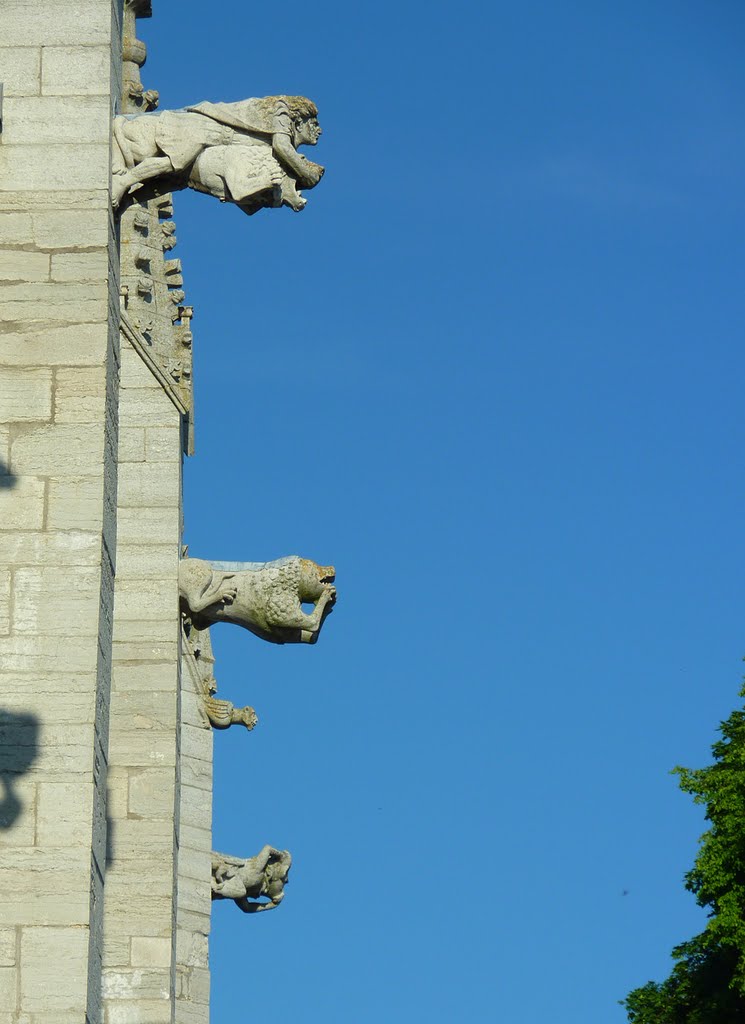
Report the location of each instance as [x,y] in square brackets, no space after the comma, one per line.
[264,597]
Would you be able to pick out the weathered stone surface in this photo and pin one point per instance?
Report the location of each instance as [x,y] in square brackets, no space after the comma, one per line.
[18,819]
[25,395]
[72,547]
[8,985]
[149,486]
[75,70]
[148,526]
[80,266]
[64,813]
[75,503]
[42,345]
[144,709]
[26,899]
[5,582]
[136,983]
[44,987]
[59,449]
[21,65]
[192,948]
[53,601]
[7,947]
[152,793]
[70,229]
[19,265]
[53,300]
[28,168]
[55,120]
[147,676]
[139,750]
[143,1011]
[78,395]
[150,952]
[74,22]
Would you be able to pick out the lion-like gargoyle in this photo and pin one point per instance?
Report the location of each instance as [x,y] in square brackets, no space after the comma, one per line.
[243,152]
[250,879]
[265,597]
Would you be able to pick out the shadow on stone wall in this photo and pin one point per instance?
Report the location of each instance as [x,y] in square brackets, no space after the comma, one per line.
[19,748]
[7,479]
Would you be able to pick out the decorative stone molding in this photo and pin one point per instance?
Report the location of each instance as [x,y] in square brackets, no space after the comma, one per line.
[244,153]
[239,880]
[263,597]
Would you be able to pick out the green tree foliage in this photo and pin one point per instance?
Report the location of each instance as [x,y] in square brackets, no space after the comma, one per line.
[707,983]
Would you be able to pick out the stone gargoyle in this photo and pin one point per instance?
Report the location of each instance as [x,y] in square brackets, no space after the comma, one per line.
[250,879]
[264,597]
[243,153]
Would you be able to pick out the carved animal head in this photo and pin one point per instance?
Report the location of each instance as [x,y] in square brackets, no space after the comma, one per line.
[276,876]
[312,578]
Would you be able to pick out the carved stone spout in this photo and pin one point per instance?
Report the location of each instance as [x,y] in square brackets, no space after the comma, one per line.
[240,880]
[244,153]
[264,597]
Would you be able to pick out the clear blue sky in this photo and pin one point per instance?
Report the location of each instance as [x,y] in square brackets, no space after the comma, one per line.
[494,373]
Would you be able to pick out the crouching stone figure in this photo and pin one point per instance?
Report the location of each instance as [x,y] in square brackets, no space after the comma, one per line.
[264,597]
[243,880]
[243,153]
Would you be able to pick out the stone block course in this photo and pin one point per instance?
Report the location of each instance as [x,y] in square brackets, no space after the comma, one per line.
[147,486]
[78,395]
[148,526]
[15,228]
[151,711]
[56,120]
[80,266]
[70,229]
[57,450]
[55,345]
[163,444]
[7,947]
[5,598]
[8,986]
[136,983]
[74,22]
[150,952]
[140,1012]
[44,988]
[23,830]
[21,67]
[52,168]
[30,902]
[34,655]
[64,813]
[55,601]
[75,70]
[53,300]
[25,395]
[73,547]
[152,793]
[75,503]
[20,265]
[22,506]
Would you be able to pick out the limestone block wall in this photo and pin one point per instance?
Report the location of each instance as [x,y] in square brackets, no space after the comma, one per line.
[60,65]
[194,844]
[140,910]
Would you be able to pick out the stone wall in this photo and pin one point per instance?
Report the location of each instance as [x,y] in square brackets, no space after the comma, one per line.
[60,65]
[138,982]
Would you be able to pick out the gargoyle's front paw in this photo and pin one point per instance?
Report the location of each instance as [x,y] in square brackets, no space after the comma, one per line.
[329,592]
[229,595]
